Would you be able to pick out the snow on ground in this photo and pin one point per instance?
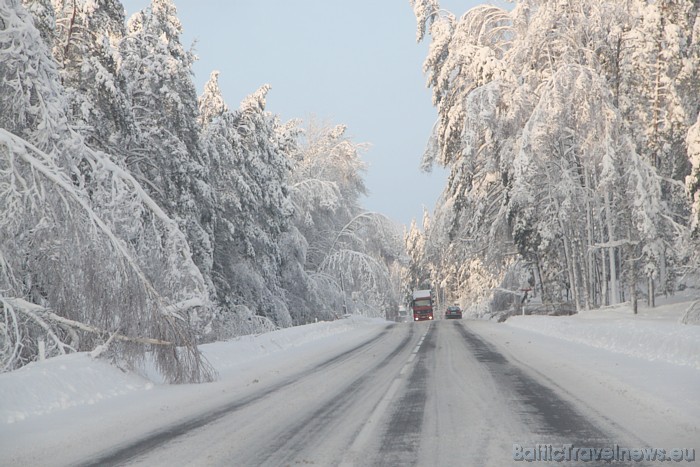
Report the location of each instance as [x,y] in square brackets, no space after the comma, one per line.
[76,380]
[61,383]
[648,361]
[643,370]
[653,334]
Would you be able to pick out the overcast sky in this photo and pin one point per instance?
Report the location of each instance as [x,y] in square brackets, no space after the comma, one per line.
[345,62]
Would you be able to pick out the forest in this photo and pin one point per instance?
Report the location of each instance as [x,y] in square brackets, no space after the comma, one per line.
[571,132]
[138,219]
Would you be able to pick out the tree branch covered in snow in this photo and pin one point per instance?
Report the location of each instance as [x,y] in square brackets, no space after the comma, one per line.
[79,234]
[47,195]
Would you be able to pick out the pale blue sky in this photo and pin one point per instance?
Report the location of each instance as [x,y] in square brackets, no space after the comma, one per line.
[350,62]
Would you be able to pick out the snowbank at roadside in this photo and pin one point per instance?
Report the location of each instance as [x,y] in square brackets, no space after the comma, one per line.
[61,383]
[653,334]
[79,380]
[227,356]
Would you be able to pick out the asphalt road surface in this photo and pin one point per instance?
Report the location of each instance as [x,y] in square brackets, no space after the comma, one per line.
[431,393]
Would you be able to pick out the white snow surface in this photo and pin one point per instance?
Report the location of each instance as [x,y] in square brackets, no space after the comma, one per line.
[653,334]
[74,380]
[648,362]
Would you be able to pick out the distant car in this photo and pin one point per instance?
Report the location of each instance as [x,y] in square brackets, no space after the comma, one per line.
[453,312]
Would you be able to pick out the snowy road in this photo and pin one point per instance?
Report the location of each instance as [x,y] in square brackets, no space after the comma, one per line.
[442,393]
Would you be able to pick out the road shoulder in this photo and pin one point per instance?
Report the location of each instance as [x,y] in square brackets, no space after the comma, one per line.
[656,402]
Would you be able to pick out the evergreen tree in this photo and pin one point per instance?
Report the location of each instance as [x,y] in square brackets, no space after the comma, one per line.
[158,72]
[44,18]
[249,173]
[86,47]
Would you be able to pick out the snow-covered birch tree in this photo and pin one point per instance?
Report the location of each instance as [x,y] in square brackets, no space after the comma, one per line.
[75,275]
[534,124]
[349,250]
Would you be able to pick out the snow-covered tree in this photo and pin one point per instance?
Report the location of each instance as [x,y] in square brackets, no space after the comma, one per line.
[137,219]
[658,72]
[536,123]
[249,174]
[692,314]
[326,185]
[693,180]
[416,272]
[86,47]
[44,18]
[73,274]
[349,250]
[211,102]
[158,71]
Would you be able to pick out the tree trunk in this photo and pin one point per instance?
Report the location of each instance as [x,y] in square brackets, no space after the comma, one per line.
[664,274]
[538,279]
[652,299]
[585,274]
[614,296]
[633,292]
[633,273]
[571,269]
[603,271]
[588,250]
[604,297]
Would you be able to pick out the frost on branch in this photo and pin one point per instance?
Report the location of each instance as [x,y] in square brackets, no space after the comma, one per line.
[425,10]
[86,254]
[66,278]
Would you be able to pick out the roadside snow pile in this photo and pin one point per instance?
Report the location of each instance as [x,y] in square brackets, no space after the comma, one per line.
[60,383]
[653,334]
[227,356]
[79,380]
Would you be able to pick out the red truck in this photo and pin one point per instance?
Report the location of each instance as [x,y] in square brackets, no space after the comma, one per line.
[422,305]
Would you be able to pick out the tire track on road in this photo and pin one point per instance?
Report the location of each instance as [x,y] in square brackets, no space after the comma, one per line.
[401,440]
[130,451]
[543,411]
[289,444]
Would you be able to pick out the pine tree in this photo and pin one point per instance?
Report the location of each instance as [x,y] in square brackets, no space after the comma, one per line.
[86,47]
[158,72]
[44,18]
[249,173]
